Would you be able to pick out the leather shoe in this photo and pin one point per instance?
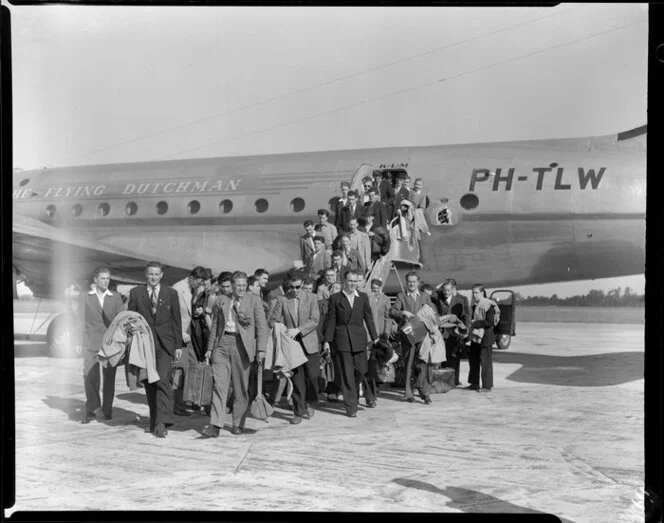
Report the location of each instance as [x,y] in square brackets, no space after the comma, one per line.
[427,400]
[410,400]
[236,431]
[484,389]
[371,404]
[296,420]
[108,416]
[211,431]
[160,431]
[181,412]
[351,414]
[88,418]
[309,413]
[333,398]
[472,387]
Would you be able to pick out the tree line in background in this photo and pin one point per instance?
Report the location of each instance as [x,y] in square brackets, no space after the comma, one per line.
[595,298]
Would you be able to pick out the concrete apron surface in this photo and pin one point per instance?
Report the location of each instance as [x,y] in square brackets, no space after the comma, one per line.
[560,433]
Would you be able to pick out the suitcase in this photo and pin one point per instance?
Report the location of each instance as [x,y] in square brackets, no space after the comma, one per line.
[198,384]
[442,380]
[415,330]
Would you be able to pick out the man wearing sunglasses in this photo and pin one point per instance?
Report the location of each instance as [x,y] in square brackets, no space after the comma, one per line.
[298,311]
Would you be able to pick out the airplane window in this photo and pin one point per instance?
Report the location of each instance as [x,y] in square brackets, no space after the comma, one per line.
[77,209]
[131,208]
[297,204]
[261,205]
[50,210]
[103,209]
[226,206]
[162,207]
[469,201]
[24,181]
[333,203]
[194,206]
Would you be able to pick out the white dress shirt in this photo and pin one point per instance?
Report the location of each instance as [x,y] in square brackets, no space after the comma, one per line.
[351,297]
[101,296]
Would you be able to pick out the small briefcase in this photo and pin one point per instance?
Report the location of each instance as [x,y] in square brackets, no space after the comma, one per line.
[198,384]
[442,380]
[415,330]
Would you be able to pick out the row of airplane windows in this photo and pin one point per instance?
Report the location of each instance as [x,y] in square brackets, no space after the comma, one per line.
[261,205]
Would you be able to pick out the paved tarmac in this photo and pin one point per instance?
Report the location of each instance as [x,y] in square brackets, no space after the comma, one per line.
[561,433]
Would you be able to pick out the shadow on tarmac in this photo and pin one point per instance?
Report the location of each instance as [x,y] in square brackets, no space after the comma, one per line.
[75,409]
[468,500]
[595,370]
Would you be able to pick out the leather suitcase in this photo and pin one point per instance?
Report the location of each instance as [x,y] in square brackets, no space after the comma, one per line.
[442,380]
[415,330]
[198,384]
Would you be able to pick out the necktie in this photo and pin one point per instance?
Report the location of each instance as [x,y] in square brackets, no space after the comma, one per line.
[153,300]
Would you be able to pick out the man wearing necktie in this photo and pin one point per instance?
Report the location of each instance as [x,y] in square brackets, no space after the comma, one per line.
[448,303]
[299,312]
[406,306]
[238,337]
[352,210]
[160,306]
[98,308]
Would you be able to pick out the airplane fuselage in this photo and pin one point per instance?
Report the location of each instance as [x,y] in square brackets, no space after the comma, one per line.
[514,213]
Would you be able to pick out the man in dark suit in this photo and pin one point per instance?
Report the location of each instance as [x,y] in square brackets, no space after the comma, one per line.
[406,306]
[97,309]
[353,209]
[384,187]
[340,204]
[401,192]
[298,311]
[160,306]
[238,337]
[447,303]
[307,243]
[377,208]
[348,311]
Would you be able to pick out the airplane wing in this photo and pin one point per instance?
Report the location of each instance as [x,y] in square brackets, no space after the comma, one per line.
[46,254]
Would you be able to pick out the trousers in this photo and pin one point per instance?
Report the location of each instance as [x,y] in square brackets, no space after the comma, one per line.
[230,364]
[92,384]
[353,368]
[452,359]
[305,384]
[418,372]
[160,393]
[480,360]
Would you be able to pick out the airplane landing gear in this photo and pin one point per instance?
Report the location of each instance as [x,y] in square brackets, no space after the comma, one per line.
[503,341]
[62,336]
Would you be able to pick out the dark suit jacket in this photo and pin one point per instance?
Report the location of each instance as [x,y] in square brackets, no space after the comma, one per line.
[305,318]
[405,303]
[354,262]
[345,326]
[95,321]
[346,215]
[403,194]
[166,325]
[386,190]
[338,207]
[380,210]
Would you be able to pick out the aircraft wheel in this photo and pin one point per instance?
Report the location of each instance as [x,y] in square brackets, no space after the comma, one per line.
[61,338]
[503,341]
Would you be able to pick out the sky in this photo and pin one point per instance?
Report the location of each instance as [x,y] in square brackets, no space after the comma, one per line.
[118,84]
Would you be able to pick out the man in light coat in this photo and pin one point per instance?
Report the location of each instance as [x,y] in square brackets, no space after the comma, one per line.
[299,312]
[238,337]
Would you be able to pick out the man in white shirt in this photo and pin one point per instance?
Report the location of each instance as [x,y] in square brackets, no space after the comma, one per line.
[98,308]
[348,312]
[327,230]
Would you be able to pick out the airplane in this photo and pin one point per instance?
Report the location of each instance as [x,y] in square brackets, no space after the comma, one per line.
[505,213]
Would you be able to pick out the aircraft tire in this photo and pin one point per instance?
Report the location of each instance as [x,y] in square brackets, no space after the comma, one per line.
[503,341]
[61,339]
